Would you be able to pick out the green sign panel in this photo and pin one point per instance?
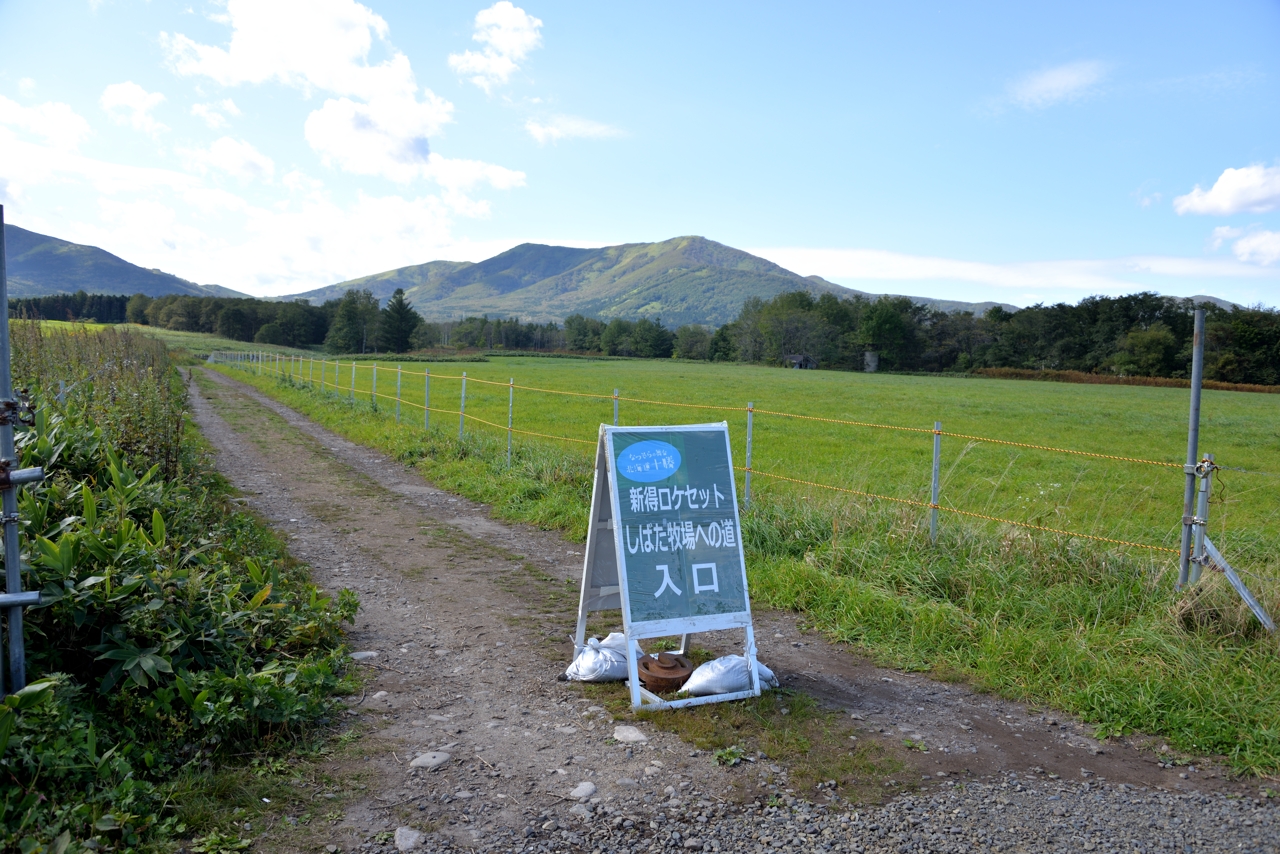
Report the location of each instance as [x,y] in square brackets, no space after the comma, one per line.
[677,523]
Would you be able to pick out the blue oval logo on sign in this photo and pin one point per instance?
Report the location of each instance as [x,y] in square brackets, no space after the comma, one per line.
[648,461]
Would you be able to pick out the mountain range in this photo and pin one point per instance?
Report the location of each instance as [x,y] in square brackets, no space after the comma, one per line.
[40,265]
[681,280]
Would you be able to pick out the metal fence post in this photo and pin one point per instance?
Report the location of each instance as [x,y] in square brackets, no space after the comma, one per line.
[615,407]
[397,394]
[353,380]
[311,371]
[1193,449]
[746,487]
[426,400]
[462,406]
[933,493]
[373,391]
[511,403]
[12,409]
[62,392]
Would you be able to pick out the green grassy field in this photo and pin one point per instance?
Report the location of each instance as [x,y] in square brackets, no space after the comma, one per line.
[1102,497]
[1088,628]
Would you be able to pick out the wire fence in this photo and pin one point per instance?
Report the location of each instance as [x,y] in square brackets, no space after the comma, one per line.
[329,376]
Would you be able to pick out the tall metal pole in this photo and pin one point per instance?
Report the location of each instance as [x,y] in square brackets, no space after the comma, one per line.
[511,403]
[933,493]
[462,406]
[746,488]
[1193,449]
[615,407]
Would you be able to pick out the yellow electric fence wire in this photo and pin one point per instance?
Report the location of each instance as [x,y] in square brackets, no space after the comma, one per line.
[819,418]
[927,505]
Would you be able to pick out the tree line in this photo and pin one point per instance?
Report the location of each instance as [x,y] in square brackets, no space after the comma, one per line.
[1141,334]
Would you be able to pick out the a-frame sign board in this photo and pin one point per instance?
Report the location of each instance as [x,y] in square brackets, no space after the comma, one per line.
[664,543]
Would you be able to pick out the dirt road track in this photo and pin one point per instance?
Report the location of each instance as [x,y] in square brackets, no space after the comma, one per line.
[456,609]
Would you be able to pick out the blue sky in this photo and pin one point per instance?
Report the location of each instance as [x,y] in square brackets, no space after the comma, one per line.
[997,151]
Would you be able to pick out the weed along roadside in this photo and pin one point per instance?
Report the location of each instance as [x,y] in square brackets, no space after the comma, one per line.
[179,651]
[464,628]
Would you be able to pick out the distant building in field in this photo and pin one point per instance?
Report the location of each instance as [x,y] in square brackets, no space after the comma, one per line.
[801,361]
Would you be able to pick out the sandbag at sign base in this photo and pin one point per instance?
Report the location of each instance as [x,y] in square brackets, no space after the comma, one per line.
[600,660]
[726,675]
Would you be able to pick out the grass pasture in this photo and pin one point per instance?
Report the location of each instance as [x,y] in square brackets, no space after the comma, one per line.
[1086,627]
[1087,495]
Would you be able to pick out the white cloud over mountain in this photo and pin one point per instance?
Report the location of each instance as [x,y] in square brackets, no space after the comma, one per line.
[508,34]
[128,103]
[377,123]
[1250,189]
[58,124]
[1055,85]
[557,128]
[1258,247]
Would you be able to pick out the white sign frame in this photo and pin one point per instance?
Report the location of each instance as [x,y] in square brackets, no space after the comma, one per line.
[604,562]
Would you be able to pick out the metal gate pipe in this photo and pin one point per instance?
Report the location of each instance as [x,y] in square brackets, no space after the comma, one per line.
[746,488]
[462,407]
[933,493]
[1193,448]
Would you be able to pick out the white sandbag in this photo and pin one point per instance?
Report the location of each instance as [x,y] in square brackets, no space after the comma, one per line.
[600,660]
[726,675]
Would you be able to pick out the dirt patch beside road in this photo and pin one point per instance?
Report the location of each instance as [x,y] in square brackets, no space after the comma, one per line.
[463,627]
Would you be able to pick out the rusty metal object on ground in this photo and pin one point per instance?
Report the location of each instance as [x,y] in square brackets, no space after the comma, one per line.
[665,673]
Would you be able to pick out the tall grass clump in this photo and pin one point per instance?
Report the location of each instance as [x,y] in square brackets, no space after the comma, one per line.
[175,632]
[1088,628]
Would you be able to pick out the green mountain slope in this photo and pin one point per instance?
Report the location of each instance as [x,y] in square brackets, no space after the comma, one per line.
[682,280]
[39,265]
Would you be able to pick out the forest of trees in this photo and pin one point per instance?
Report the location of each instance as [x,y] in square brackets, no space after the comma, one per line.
[1142,334]
[79,306]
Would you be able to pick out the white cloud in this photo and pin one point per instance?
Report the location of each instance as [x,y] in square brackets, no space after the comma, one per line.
[26,87]
[1251,189]
[129,103]
[508,34]
[384,136]
[1055,85]
[1260,247]
[1082,277]
[1222,234]
[235,157]
[568,127]
[58,124]
[375,125]
[297,239]
[213,113]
